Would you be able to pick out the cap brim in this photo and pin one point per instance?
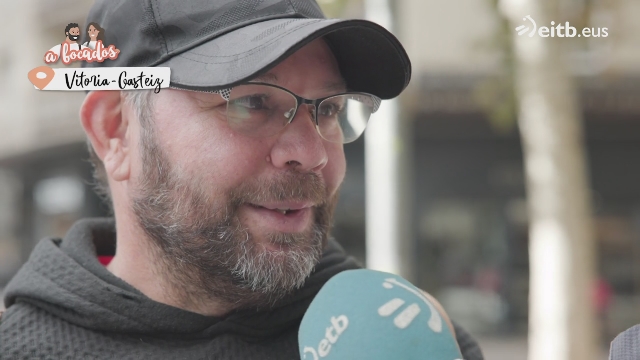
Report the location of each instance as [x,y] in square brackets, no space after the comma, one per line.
[370,58]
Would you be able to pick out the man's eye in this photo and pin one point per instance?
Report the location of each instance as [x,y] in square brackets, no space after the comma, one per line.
[330,109]
[254,102]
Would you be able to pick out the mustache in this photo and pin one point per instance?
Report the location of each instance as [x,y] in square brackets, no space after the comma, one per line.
[287,186]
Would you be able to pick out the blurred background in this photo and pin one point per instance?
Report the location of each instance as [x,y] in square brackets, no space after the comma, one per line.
[468,213]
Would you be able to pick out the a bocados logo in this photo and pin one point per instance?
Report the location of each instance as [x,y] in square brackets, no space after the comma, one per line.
[73,49]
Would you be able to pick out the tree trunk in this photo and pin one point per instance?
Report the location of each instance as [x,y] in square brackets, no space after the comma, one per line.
[562,266]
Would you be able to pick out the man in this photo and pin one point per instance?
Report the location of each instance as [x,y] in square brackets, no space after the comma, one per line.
[72,37]
[223,188]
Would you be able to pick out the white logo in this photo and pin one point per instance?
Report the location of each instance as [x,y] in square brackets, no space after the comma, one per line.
[338,326]
[407,315]
[558,30]
[524,28]
[403,319]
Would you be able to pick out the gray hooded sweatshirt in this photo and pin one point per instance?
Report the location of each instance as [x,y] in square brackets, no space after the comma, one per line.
[64,304]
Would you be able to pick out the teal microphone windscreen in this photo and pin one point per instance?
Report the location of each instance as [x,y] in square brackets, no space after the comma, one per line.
[365,314]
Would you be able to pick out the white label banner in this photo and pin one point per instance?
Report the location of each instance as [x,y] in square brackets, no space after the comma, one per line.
[101,78]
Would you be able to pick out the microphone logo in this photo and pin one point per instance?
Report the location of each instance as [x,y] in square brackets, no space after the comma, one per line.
[406,316]
[524,28]
[403,319]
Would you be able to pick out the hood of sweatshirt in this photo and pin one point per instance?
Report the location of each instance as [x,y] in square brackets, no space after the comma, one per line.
[65,278]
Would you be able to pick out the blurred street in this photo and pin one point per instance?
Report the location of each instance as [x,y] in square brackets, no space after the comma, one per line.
[512,348]
[505,348]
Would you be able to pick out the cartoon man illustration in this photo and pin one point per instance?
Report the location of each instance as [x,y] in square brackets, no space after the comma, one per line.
[72,38]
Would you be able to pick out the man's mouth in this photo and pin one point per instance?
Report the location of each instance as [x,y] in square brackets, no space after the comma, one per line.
[282,210]
[283,217]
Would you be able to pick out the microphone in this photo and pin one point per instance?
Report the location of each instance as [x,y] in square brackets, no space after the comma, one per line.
[366,314]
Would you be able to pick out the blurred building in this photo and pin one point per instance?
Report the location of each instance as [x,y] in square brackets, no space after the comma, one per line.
[469,215]
[44,175]
[470,207]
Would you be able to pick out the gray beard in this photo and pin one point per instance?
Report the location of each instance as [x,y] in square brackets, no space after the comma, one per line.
[206,254]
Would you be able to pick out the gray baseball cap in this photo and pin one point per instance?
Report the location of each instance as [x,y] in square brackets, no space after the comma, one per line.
[215,44]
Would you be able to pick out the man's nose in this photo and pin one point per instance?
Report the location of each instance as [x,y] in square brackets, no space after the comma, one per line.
[300,146]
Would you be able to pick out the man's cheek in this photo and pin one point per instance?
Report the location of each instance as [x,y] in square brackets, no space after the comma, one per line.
[335,170]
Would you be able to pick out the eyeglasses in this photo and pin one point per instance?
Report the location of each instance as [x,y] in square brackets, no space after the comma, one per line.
[261,110]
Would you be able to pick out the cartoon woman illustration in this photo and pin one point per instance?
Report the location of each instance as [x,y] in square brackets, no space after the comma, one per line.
[95,33]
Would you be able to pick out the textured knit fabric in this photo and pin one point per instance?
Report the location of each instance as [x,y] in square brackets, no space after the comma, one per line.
[63,304]
[626,346]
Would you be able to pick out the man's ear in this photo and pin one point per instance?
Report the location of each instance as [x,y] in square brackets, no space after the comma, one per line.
[102,120]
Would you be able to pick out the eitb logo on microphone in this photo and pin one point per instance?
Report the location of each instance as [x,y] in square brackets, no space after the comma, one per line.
[405,317]
[408,314]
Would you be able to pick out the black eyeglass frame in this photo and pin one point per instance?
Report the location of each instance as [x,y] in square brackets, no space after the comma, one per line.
[226,95]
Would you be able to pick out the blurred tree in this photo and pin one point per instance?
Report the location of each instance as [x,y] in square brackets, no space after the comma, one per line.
[333,8]
[496,95]
[561,241]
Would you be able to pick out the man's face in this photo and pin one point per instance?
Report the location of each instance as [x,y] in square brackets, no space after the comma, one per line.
[73,34]
[212,199]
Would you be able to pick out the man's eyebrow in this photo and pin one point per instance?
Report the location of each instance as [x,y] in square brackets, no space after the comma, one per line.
[335,86]
[270,78]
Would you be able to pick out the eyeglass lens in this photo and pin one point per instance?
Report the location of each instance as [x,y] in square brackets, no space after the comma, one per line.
[261,111]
